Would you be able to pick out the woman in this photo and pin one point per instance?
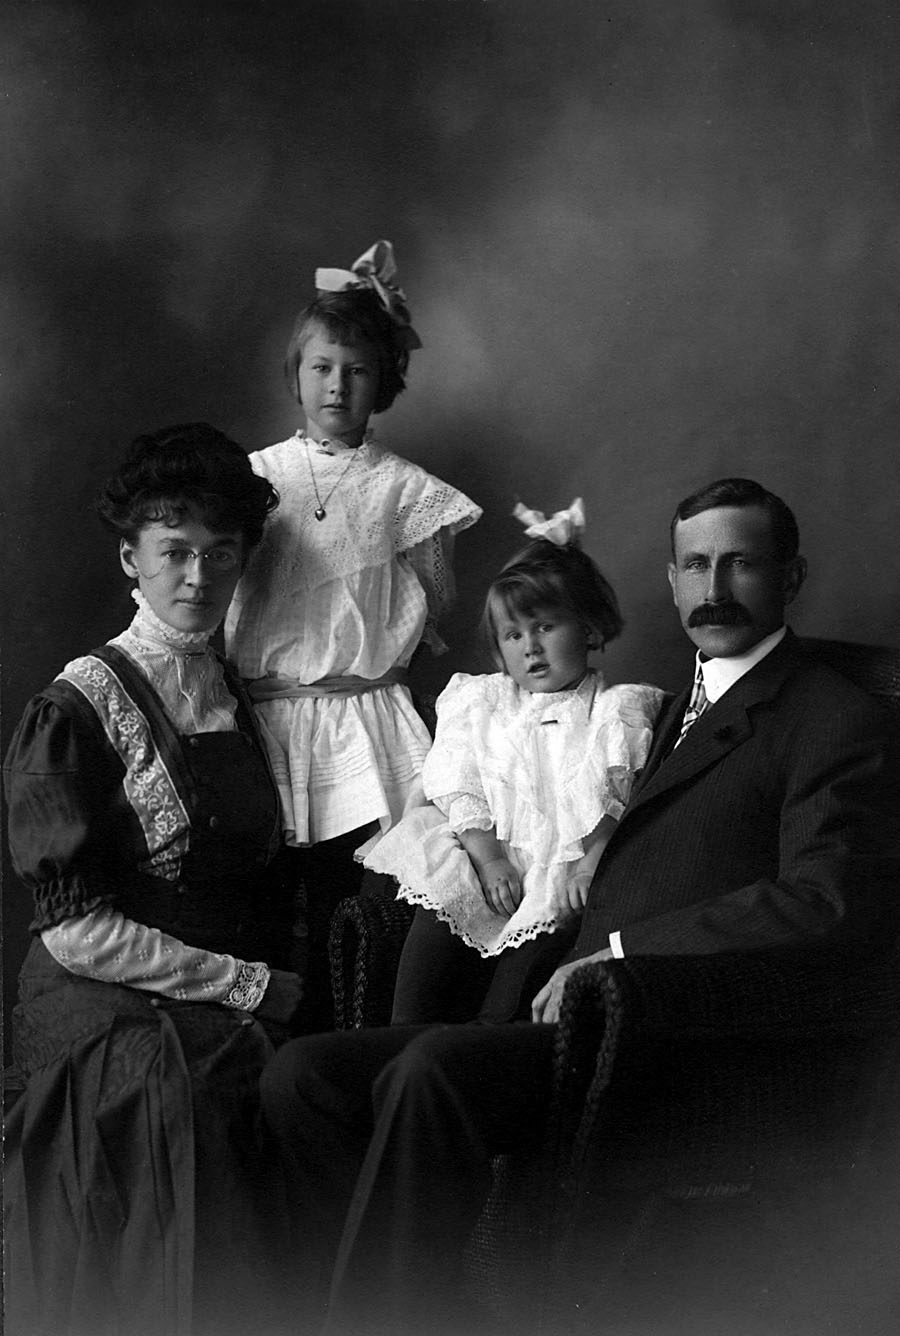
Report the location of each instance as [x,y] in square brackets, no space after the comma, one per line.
[143,818]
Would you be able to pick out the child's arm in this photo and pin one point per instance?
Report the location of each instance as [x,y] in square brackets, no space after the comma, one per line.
[432,561]
[581,873]
[500,883]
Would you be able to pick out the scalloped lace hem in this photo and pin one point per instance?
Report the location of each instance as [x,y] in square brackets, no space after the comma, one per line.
[524,933]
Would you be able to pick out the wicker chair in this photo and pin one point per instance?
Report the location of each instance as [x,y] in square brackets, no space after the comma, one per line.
[724,1127]
[364,944]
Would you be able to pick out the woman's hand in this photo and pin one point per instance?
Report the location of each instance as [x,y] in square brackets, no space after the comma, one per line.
[500,885]
[282,997]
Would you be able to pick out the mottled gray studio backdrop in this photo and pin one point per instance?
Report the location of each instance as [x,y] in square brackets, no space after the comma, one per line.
[646,244]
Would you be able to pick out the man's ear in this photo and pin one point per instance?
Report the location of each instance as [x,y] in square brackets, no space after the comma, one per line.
[671,572]
[126,557]
[794,575]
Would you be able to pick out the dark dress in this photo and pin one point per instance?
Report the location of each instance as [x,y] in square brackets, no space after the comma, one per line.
[138,1198]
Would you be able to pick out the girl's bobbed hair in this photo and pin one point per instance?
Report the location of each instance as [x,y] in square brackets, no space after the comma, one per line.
[182,467]
[352,317]
[545,575]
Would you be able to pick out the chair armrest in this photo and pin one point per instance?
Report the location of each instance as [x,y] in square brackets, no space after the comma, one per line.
[364,944]
[757,995]
[712,1069]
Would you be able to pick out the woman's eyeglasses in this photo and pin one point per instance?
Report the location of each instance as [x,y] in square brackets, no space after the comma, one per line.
[217,559]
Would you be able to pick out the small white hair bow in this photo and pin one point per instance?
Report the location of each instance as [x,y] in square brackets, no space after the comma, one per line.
[376,269]
[564,527]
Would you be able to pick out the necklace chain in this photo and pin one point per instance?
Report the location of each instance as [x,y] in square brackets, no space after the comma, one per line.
[320,512]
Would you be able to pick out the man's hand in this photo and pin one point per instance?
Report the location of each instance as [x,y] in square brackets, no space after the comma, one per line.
[500,884]
[282,997]
[545,1006]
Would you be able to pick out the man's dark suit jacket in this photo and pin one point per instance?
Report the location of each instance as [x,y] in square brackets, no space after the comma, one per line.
[775,822]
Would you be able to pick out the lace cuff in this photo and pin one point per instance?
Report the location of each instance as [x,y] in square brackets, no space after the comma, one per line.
[105,945]
[465,811]
[250,983]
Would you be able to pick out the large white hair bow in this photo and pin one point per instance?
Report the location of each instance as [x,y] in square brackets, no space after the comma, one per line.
[376,269]
[564,527]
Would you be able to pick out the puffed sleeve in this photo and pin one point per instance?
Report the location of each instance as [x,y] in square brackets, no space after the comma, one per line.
[622,732]
[452,774]
[59,779]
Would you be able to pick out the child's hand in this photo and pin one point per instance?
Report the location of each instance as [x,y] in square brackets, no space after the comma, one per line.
[577,888]
[500,885]
[571,897]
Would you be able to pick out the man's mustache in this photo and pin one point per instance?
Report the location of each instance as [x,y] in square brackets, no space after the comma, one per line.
[720,614]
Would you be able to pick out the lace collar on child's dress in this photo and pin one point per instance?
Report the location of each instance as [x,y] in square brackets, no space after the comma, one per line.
[550,706]
[335,447]
[183,670]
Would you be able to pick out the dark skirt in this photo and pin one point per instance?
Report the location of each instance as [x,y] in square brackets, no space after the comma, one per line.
[139,1199]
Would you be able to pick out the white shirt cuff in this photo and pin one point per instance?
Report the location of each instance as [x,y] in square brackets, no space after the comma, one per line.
[615,945]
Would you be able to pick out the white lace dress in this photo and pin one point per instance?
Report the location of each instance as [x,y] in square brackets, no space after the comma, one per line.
[347,597]
[542,770]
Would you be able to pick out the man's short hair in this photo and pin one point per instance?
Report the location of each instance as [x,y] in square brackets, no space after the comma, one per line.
[744,492]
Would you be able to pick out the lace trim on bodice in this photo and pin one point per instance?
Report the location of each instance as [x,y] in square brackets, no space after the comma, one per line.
[542,768]
[182,669]
[379,506]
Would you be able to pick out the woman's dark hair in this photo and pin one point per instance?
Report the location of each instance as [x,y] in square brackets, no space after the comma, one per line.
[353,317]
[186,466]
[544,575]
[741,492]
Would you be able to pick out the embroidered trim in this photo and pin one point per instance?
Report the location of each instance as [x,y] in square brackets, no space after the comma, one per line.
[148,785]
[250,982]
[387,506]
[507,941]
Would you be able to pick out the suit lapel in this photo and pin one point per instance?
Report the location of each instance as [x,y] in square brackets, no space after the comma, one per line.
[723,727]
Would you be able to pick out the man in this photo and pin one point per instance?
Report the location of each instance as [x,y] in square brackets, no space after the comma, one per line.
[765,817]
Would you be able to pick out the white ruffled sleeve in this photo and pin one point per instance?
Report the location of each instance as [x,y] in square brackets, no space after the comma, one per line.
[618,744]
[452,774]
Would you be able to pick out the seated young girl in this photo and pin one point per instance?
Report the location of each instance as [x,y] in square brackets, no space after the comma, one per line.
[530,769]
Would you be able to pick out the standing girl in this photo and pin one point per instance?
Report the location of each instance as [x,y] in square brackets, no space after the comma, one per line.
[348,581]
[530,769]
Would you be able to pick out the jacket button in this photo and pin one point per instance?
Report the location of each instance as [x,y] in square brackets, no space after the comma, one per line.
[193,741]
[181,889]
[213,822]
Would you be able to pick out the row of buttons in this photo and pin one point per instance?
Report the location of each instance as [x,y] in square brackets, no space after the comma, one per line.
[194,741]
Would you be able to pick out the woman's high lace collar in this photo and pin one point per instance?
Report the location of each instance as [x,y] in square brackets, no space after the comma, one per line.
[155,634]
[182,668]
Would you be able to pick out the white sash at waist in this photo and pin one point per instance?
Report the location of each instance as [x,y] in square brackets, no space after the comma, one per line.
[273,687]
